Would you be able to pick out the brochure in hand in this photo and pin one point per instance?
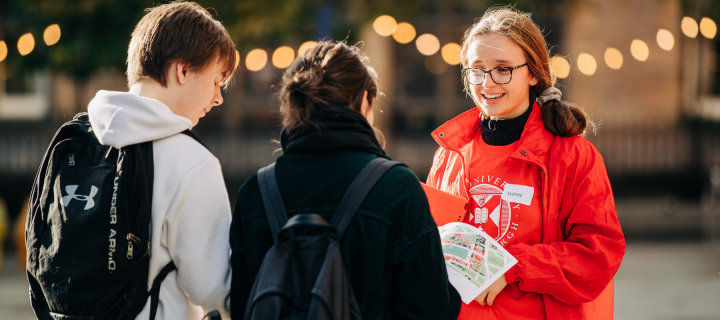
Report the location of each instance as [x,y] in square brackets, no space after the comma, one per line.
[445,207]
[473,259]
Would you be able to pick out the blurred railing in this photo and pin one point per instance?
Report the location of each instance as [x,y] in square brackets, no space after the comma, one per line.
[22,152]
[241,154]
[660,150]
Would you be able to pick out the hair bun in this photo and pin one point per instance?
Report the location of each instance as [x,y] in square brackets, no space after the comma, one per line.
[327,72]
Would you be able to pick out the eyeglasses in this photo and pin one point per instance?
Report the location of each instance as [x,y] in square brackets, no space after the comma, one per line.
[499,75]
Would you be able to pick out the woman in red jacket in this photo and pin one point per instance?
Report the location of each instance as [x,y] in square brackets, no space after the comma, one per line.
[533,183]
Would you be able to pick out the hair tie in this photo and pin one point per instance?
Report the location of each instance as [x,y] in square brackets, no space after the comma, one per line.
[548,94]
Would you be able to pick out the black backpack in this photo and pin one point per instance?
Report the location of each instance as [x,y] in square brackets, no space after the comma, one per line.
[302,276]
[88,228]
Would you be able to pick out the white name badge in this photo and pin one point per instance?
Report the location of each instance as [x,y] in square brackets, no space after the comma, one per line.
[516,193]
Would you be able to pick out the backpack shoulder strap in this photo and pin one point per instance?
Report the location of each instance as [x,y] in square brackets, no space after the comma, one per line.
[272,201]
[155,289]
[358,190]
[189,133]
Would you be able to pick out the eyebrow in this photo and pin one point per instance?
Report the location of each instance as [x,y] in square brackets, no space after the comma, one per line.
[498,61]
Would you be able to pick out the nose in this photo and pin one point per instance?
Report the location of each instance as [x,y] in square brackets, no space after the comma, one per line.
[217,97]
[488,81]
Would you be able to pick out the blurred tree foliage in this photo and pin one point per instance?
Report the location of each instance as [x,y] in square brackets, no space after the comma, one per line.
[96,33]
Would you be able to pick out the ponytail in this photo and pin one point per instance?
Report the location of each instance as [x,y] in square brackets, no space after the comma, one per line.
[561,118]
[300,97]
[566,120]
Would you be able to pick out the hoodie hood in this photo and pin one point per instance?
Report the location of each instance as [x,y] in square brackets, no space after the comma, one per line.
[121,119]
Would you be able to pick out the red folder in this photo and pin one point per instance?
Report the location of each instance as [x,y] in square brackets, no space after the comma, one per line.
[445,207]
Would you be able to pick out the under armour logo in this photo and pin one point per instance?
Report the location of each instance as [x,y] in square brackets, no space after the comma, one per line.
[71,195]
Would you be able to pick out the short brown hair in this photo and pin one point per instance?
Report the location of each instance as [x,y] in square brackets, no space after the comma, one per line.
[178,31]
[326,73]
[560,117]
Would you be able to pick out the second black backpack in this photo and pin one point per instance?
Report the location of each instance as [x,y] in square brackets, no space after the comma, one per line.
[303,276]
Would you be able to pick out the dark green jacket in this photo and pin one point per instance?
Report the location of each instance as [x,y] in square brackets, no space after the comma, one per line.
[391,248]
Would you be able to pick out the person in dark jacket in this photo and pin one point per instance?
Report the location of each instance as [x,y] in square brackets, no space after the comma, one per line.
[391,248]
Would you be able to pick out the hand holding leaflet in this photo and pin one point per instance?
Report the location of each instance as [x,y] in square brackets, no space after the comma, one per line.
[488,295]
[473,259]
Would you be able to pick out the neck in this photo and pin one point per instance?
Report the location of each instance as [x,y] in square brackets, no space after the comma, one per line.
[154,90]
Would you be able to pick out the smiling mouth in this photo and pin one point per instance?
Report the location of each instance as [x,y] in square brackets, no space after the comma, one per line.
[493,96]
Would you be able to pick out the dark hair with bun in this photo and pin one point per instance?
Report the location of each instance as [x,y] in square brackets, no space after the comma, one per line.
[559,117]
[329,72]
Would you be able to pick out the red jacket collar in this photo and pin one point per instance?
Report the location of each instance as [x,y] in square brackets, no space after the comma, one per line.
[459,132]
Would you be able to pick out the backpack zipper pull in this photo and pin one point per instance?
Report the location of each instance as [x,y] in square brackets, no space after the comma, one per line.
[71,159]
[131,237]
[134,238]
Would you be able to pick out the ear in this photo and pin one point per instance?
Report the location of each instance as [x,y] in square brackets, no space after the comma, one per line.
[179,72]
[533,80]
[365,105]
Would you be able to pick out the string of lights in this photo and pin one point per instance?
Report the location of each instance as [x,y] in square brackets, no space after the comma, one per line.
[428,45]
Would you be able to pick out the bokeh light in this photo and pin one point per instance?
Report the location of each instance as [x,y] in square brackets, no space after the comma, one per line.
[404,33]
[427,44]
[587,64]
[306,45]
[237,59]
[708,28]
[689,27]
[26,44]
[451,53]
[385,25]
[3,50]
[435,64]
[561,66]
[639,50]
[51,34]
[665,39]
[613,58]
[256,60]
[283,57]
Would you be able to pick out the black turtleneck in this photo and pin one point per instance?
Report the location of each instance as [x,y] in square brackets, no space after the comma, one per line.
[503,132]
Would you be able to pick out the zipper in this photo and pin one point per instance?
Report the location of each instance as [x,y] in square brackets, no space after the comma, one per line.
[146,191]
[73,163]
[490,125]
[131,237]
[545,191]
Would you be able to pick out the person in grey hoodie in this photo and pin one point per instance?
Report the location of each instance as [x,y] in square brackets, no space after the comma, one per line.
[178,61]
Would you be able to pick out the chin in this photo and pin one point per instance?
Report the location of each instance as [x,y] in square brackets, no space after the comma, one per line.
[494,111]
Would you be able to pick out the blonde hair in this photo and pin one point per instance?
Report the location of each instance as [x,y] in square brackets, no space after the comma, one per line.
[560,118]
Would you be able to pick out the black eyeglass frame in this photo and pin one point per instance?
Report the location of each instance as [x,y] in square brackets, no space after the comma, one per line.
[485,72]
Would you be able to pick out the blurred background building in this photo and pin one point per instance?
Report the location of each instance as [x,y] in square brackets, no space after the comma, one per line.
[647,70]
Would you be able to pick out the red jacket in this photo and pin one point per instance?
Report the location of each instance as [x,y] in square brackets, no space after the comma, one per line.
[582,243]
